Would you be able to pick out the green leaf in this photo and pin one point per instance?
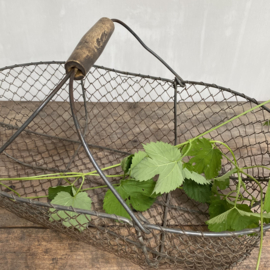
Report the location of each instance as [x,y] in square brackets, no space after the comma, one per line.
[126,163]
[197,192]
[240,222]
[112,206]
[198,178]
[161,151]
[206,159]
[267,199]
[223,181]
[137,158]
[218,206]
[233,219]
[164,159]
[267,123]
[53,191]
[220,184]
[74,191]
[81,201]
[136,194]
[140,193]
[220,223]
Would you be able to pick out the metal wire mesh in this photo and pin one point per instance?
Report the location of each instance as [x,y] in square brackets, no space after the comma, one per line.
[117,112]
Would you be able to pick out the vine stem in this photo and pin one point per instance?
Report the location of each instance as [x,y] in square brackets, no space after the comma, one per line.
[37,197]
[104,169]
[11,189]
[79,189]
[224,123]
[58,175]
[238,191]
[98,187]
[261,214]
[236,166]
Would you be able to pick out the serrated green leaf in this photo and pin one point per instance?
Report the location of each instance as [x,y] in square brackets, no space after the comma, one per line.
[126,163]
[267,199]
[136,194]
[198,178]
[206,159]
[251,214]
[233,219]
[197,192]
[137,158]
[162,152]
[68,218]
[240,222]
[53,191]
[220,223]
[164,159]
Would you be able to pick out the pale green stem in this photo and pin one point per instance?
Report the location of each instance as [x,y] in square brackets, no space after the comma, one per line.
[233,197]
[261,213]
[224,123]
[105,186]
[56,175]
[239,169]
[257,166]
[11,189]
[75,180]
[233,191]
[83,178]
[245,188]
[224,144]
[113,175]
[238,188]
[35,178]
[107,168]
[190,143]
[37,197]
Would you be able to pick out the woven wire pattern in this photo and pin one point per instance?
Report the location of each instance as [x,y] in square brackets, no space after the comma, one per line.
[118,112]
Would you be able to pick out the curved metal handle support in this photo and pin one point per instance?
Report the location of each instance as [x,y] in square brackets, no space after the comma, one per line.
[91,158]
[180,81]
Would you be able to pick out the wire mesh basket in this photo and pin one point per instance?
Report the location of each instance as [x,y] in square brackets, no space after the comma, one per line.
[116,113]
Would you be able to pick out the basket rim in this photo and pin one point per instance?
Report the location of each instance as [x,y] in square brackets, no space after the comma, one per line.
[226,89]
[129,222]
[123,219]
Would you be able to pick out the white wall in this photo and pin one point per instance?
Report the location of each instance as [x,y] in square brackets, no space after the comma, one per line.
[226,42]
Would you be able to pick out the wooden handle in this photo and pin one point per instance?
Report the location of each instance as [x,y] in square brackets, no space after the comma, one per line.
[90,48]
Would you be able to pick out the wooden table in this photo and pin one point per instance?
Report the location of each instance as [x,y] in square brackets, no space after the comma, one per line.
[24,245]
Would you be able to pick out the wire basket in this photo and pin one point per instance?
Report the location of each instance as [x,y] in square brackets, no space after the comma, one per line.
[117,112]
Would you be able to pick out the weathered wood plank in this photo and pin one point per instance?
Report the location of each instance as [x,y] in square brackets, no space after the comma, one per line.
[10,220]
[33,249]
[38,248]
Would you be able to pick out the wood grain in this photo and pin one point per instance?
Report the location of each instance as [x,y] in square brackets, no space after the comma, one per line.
[26,246]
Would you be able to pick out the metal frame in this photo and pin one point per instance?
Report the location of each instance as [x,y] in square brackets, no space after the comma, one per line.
[146,226]
[138,221]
